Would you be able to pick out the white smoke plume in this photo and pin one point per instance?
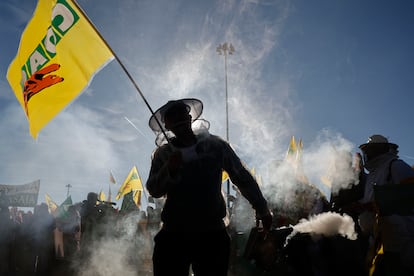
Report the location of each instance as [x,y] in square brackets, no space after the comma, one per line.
[124,249]
[328,163]
[323,167]
[327,224]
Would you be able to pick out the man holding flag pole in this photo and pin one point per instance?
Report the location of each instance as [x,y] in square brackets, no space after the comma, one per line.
[187,171]
[59,53]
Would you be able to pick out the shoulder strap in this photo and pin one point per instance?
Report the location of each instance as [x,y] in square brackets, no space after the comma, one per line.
[389,177]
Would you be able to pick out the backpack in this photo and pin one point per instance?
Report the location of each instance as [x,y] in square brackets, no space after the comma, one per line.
[394,199]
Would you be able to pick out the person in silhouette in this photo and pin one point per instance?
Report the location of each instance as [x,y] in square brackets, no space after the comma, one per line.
[187,171]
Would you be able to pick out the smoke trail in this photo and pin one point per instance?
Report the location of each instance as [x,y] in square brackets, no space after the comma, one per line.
[328,163]
[326,224]
[324,167]
[124,249]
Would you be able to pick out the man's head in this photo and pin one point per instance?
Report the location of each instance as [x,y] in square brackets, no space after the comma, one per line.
[176,112]
[376,146]
[92,198]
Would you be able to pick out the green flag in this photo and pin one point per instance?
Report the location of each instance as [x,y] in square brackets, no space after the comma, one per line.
[62,210]
[128,203]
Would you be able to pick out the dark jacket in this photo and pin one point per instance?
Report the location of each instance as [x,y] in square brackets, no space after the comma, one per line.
[194,199]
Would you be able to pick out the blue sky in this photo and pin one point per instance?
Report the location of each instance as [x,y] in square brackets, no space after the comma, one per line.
[329,72]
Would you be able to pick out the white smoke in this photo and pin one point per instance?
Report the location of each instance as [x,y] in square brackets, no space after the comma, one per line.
[125,249]
[324,167]
[327,224]
[328,163]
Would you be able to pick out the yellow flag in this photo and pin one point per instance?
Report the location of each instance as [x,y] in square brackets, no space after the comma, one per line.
[132,183]
[102,196]
[292,148]
[51,204]
[58,55]
[224,176]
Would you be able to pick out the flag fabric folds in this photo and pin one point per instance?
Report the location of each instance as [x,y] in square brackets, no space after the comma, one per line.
[102,196]
[224,176]
[111,178]
[62,210]
[128,203]
[113,181]
[51,204]
[292,150]
[299,150]
[109,194]
[58,55]
[131,183]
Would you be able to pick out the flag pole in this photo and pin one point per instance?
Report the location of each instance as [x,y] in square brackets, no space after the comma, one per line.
[123,68]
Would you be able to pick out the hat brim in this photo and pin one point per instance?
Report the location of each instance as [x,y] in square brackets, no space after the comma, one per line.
[156,122]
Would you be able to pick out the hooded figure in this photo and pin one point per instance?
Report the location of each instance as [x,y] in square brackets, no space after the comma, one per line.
[187,171]
[395,231]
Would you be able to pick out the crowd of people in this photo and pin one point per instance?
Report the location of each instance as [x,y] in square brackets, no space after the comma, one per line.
[192,228]
[39,243]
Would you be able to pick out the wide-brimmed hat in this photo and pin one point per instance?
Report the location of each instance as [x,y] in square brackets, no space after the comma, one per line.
[194,106]
[377,139]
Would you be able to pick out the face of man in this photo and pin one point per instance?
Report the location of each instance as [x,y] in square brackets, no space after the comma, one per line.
[178,118]
[374,150]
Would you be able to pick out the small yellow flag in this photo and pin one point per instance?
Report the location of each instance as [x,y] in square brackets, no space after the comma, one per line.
[58,55]
[102,196]
[292,148]
[224,176]
[51,204]
[131,183]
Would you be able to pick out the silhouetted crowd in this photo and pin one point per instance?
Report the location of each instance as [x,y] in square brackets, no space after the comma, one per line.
[38,243]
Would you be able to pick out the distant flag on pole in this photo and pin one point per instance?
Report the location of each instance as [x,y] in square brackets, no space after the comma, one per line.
[111,178]
[102,196]
[62,210]
[128,202]
[109,194]
[51,204]
[292,148]
[293,152]
[113,181]
[299,150]
[131,183]
[59,53]
[224,176]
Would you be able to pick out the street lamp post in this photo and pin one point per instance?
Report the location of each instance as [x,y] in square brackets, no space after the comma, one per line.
[68,186]
[226,49]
